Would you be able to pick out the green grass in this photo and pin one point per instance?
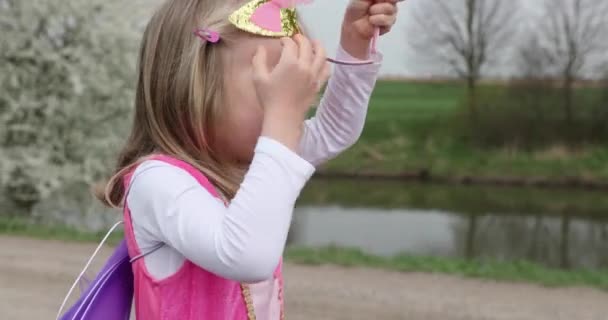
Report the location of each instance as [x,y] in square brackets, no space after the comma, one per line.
[492,270]
[500,271]
[20,227]
[415,125]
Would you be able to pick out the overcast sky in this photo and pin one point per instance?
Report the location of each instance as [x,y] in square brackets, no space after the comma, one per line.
[323,20]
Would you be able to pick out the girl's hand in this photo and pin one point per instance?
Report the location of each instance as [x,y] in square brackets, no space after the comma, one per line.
[287,92]
[360,22]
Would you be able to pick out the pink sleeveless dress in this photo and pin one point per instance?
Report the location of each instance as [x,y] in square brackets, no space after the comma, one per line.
[193,293]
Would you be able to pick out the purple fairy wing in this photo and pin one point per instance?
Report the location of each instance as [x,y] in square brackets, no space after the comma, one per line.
[109,296]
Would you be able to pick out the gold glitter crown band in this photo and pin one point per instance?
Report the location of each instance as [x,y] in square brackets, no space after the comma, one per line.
[269,18]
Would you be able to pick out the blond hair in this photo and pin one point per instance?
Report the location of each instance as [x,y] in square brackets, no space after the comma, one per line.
[180,90]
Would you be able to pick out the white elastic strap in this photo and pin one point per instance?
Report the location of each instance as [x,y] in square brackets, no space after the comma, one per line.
[84,270]
[152,250]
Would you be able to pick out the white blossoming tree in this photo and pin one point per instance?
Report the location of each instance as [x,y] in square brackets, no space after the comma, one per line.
[66,86]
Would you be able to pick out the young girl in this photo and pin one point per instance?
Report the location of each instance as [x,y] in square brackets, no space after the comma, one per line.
[220,148]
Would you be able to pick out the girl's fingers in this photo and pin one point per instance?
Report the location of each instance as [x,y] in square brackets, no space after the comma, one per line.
[305,49]
[383,8]
[324,75]
[382,20]
[290,50]
[385,30]
[383,14]
[260,68]
[319,58]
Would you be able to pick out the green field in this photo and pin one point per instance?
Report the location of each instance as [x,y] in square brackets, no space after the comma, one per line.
[413,126]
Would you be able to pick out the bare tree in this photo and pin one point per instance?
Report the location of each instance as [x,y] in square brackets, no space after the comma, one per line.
[531,60]
[573,39]
[464,34]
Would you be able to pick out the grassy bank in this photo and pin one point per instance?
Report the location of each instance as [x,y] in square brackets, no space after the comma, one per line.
[21,228]
[477,200]
[500,271]
[415,125]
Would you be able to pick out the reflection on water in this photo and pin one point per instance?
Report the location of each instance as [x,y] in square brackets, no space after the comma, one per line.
[558,228]
[552,240]
[375,231]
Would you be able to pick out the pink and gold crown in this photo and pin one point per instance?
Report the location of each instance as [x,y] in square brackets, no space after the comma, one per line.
[269,18]
[278,18]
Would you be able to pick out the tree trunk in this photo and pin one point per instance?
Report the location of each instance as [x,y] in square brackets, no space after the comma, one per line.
[535,250]
[471,232]
[471,61]
[472,99]
[568,100]
[565,242]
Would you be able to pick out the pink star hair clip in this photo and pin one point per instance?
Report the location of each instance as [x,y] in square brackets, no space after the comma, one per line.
[207,35]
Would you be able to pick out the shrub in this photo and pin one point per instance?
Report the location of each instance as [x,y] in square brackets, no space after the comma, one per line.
[66,86]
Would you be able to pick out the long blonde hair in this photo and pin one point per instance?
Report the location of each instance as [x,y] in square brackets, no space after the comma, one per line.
[180,90]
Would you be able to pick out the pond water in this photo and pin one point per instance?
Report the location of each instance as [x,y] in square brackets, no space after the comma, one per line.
[557,228]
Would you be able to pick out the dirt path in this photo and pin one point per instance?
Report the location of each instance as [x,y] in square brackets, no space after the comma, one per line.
[34,275]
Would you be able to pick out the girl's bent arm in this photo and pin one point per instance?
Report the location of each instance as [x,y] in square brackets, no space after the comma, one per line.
[242,242]
[339,120]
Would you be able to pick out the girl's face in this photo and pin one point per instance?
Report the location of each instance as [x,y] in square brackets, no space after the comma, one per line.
[240,123]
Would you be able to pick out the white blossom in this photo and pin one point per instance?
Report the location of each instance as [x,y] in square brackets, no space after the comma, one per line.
[67,72]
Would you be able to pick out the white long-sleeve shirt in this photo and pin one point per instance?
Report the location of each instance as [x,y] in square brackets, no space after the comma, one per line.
[244,241]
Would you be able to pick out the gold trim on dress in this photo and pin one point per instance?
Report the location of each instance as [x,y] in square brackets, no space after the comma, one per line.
[248,301]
